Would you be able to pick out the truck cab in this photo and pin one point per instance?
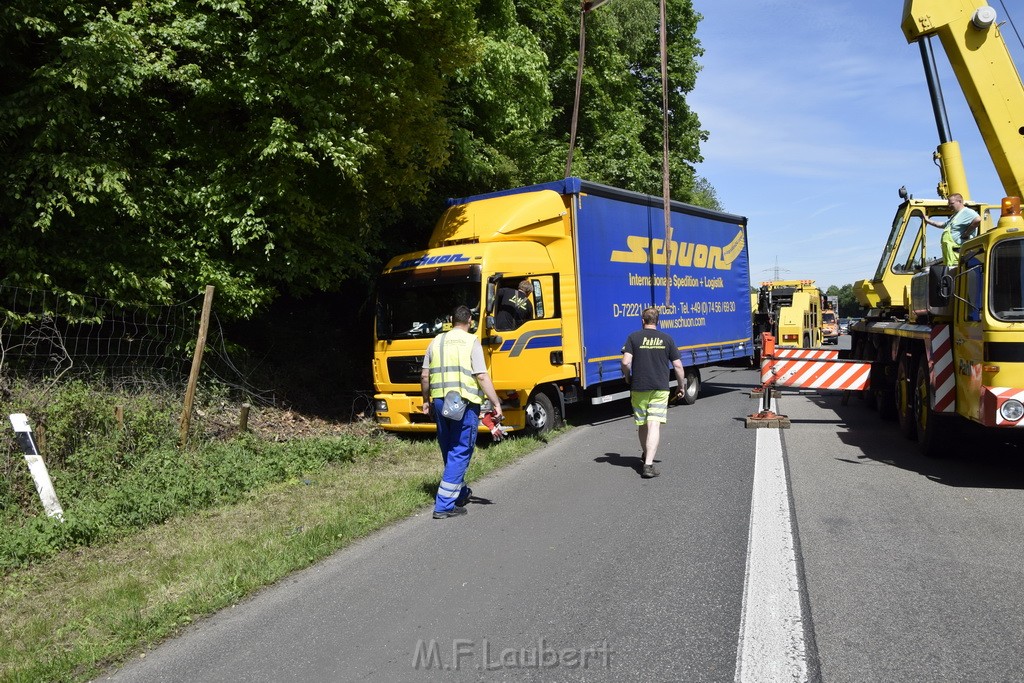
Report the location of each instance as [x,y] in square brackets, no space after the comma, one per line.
[476,249]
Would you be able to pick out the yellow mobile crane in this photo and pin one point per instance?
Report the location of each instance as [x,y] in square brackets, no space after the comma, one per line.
[947,344]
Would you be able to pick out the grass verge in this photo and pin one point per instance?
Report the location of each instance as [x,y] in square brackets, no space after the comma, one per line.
[72,616]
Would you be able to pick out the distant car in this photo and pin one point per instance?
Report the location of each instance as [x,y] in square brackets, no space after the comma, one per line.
[844,326]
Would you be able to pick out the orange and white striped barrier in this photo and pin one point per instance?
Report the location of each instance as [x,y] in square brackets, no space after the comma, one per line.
[809,354]
[940,369]
[845,375]
[804,369]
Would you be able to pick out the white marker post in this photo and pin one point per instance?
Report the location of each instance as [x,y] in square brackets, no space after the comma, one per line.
[36,466]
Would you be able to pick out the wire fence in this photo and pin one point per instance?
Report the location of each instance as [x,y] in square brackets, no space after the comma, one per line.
[53,335]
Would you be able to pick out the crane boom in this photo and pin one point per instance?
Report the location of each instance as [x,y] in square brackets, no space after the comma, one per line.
[973,41]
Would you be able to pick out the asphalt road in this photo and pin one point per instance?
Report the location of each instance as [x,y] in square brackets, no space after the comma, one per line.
[574,568]
[914,567]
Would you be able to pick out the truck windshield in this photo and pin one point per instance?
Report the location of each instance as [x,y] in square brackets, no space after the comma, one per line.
[1007,292]
[419,303]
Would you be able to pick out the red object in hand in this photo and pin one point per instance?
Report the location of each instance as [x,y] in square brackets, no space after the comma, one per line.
[493,423]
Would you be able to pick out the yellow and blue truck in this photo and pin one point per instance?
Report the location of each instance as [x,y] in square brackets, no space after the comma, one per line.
[595,256]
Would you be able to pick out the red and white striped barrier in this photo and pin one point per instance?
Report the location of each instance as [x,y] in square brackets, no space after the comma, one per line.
[846,375]
[803,369]
[940,369]
[810,354]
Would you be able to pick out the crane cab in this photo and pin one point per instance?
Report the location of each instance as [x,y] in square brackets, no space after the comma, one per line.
[906,252]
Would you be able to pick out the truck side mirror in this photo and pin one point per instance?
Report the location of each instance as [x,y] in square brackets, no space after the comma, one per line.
[492,291]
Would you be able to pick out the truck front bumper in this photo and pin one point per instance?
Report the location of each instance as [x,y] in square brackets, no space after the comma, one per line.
[1002,407]
[401,413]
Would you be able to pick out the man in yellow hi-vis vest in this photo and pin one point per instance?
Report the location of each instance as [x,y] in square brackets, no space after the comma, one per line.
[455,362]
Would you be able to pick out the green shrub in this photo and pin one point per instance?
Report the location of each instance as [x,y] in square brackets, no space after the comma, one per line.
[113,481]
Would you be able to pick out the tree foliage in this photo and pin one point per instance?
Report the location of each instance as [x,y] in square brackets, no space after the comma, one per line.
[849,307]
[153,148]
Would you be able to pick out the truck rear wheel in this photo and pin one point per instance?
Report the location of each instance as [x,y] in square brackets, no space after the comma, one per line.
[905,396]
[542,415]
[692,388]
[932,428]
[865,351]
[885,395]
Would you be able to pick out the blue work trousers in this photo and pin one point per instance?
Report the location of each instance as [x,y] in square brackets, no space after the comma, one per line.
[457,440]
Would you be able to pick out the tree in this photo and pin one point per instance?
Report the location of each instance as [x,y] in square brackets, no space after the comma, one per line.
[512,113]
[620,122]
[251,145]
[849,307]
[262,147]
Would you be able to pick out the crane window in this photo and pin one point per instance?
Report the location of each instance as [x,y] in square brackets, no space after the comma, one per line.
[910,253]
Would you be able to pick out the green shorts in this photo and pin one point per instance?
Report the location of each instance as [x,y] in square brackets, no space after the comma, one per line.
[649,406]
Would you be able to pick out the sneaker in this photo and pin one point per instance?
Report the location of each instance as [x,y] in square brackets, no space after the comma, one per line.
[454,512]
[649,472]
[464,495]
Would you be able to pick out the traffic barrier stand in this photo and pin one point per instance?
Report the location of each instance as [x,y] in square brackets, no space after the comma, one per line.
[767,417]
[803,369]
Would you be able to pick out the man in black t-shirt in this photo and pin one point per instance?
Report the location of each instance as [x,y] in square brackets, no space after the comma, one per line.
[646,356]
[513,306]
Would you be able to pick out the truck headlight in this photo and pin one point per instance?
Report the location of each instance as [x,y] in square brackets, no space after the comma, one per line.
[381,406]
[1011,410]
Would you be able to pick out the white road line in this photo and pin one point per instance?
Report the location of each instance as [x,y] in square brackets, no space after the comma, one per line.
[771,645]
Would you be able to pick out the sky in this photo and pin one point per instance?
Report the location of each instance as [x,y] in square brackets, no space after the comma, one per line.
[817,113]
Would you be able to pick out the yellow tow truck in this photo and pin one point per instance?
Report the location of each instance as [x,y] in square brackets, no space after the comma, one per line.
[791,311]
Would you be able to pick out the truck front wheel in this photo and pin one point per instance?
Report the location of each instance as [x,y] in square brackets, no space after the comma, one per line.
[541,414]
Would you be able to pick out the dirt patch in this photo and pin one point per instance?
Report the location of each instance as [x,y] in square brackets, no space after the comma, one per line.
[279,424]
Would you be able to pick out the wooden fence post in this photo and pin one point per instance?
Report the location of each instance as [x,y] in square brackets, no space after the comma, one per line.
[197,361]
[243,419]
